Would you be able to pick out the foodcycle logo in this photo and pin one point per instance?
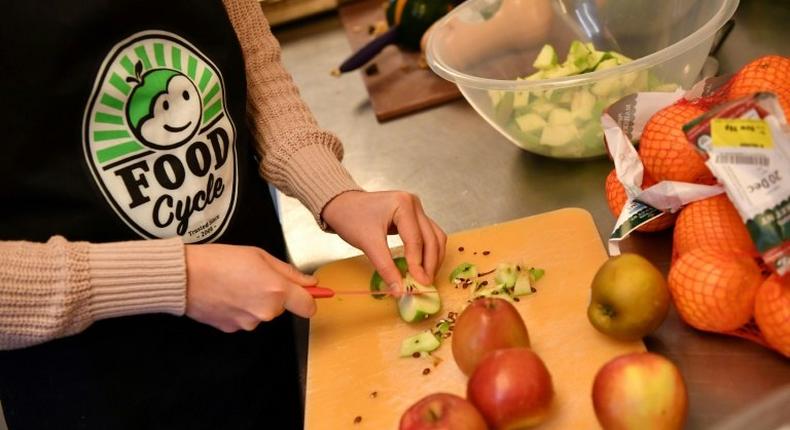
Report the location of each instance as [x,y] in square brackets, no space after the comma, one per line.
[159,140]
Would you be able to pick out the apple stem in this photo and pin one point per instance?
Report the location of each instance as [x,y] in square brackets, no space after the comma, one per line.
[434,415]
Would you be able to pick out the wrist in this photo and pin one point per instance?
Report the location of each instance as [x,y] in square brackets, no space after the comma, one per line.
[333,209]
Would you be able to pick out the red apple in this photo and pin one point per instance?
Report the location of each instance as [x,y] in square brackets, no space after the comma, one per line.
[442,411]
[511,388]
[640,391]
[486,325]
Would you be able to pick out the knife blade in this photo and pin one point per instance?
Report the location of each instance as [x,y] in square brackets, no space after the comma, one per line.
[325,293]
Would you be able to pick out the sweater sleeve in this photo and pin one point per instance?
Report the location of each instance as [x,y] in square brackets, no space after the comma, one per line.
[59,288]
[298,157]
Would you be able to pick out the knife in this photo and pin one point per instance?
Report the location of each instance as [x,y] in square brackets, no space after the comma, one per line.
[325,293]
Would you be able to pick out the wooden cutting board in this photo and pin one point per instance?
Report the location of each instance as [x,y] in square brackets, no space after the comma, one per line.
[354,340]
[400,85]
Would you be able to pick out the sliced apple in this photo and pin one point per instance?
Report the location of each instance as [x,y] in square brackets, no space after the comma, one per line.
[422,342]
[378,284]
[418,301]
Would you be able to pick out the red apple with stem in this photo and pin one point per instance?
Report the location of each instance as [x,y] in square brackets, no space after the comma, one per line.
[511,388]
[442,411]
[640,391]
[486,325]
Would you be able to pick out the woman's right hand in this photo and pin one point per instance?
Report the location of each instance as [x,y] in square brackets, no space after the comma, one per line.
[233,287]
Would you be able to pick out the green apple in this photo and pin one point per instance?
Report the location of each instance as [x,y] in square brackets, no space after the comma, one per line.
[629,298]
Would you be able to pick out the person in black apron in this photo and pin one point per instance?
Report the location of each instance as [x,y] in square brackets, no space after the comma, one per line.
[146,371]
[125,166]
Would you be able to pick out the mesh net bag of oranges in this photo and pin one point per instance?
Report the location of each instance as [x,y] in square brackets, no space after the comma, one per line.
[719,280]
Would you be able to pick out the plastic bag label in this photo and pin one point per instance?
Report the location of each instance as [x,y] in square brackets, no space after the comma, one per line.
[748,149]
[740,133]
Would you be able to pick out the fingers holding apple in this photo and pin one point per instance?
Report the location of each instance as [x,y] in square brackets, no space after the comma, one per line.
[511,388]
[642,391]
[442,411]
[629,298]
[487,324]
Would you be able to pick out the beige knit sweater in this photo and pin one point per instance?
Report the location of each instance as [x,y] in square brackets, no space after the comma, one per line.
[59,288]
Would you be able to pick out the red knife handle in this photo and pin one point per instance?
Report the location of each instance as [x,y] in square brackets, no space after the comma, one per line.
[320,292]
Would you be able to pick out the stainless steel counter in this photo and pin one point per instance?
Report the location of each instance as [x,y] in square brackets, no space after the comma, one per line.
[470,176]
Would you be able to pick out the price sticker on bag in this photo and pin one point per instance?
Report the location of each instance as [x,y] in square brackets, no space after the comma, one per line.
[740,133]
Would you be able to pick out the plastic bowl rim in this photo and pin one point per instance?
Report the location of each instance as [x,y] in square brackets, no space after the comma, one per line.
[725,12]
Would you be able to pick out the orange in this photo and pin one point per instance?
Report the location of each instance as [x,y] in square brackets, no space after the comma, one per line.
[769,73]
[714,223]
[772,313]
[616,197]
[665,151]
[714,290]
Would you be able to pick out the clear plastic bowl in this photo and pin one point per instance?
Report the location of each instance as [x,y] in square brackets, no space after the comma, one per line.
[484,46]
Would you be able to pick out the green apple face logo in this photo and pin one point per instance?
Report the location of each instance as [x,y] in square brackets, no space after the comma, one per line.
[159,140]
[164,109]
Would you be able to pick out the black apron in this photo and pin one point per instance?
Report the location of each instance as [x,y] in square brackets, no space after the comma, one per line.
[125,120]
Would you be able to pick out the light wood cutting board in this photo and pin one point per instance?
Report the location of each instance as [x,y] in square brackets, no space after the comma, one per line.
[354,340]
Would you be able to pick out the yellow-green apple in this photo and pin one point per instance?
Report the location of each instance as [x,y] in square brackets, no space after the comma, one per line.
[487,324]
[642,391]
[442,411]
[511,388]
[629,298]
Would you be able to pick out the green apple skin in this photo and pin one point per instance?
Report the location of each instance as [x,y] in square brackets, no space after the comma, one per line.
[643,391]
[629,298]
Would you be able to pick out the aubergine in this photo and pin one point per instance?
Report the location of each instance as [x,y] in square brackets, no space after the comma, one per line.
[408,20]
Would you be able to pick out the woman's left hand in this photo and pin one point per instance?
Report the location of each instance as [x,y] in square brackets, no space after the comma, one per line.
[364,219]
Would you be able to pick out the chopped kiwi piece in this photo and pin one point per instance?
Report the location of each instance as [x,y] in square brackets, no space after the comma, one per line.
[422,342]
[377,282]
[418,301]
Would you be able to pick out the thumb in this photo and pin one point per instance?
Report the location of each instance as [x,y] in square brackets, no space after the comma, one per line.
[289,271]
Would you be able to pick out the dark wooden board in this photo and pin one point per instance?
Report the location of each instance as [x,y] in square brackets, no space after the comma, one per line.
[400,86]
